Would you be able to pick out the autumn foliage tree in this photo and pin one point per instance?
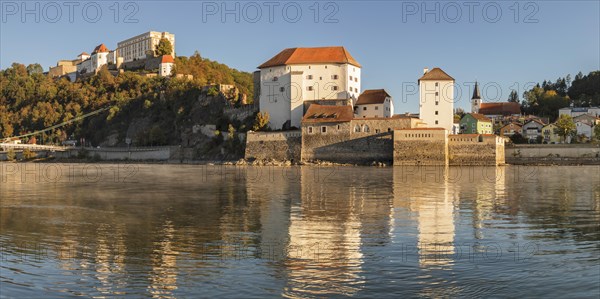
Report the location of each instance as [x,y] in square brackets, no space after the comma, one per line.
[164,47]
[565,126]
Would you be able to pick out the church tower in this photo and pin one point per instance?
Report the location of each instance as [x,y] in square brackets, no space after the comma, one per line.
[476,99]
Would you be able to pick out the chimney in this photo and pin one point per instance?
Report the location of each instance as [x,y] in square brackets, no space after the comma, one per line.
[425,70]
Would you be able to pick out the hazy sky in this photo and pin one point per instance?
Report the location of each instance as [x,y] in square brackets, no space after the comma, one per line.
[503,44]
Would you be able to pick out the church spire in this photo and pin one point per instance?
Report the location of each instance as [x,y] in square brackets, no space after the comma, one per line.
[476,94]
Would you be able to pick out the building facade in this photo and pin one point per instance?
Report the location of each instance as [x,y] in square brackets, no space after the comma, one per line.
[577,111]
[100,56]
[511,129]
[475,123]
[374,103]
[549,134]
[436,99]
[139,46]
[532,129]
[297,75]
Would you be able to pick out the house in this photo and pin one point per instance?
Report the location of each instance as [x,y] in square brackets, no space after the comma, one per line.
[588,119]
[436,98]
[475,123]
[532,129]
[577,111]
[138,47]
[493,110]
[511,129]
[374,103]
[165,68]
[100,56]
[584,129]
[296,77]
[549,134]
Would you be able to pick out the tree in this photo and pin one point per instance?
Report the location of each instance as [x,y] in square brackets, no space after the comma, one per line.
[164,47]
[35,68]
[596,134]
[11,155]
[28,154]
[513,97]
[261,121]
[565,126]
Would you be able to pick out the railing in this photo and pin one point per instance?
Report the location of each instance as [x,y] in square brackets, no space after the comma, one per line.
[33,147]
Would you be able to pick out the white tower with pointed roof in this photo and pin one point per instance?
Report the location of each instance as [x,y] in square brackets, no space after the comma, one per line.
[436,99]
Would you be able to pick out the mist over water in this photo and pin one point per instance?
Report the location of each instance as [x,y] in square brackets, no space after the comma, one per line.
[301,232]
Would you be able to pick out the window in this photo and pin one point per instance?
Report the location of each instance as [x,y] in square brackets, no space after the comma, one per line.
[334,88]
[309,88]
[436,84]
[350,78]
[334,77]
[323,129]
[281,89]
[436,103]
[338,127]
[355,79]
[377,131]
[309,77]
[437,93]
[310,130]
[357,129]
[320,78]
[366,129]
[376,107]
[436,113]
[436,122]
[275,78]
[364,108]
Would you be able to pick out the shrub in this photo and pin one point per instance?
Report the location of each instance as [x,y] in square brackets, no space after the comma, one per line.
[28,154]
[11,155]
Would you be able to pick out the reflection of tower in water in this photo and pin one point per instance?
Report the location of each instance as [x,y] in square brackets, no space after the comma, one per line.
[425,191]
[329,228]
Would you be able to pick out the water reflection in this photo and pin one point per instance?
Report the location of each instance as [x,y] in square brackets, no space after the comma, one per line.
[188,231]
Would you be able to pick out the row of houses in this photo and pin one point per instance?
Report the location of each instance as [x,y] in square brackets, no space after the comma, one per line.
[132,53]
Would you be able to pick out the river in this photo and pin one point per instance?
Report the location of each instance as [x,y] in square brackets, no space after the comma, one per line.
[183,231]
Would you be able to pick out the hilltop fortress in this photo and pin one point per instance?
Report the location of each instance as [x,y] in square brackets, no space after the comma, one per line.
[313,95]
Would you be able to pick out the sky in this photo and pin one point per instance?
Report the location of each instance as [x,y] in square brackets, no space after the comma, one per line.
[504,45]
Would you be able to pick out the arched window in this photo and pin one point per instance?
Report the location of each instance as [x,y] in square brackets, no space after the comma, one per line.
[366,129]
[357,129]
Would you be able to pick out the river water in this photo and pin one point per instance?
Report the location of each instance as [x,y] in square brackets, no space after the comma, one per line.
[183,231]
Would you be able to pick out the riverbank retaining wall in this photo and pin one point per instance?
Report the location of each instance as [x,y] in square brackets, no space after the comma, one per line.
[424,146]
[274,145]
[475,149]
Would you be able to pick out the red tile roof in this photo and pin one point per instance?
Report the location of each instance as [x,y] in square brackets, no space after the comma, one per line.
[311,55]
[167,59]
[502,108]
[328,113]
[100,49]
[372,96]
[436,74]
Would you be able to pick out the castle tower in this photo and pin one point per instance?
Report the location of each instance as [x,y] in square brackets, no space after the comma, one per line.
[436,95]
[476,99]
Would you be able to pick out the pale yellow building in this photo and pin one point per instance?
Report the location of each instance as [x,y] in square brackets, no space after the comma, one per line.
[139,46]
[548,132]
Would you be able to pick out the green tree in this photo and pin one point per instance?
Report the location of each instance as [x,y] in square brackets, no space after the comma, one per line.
[164,47]
[513,97]
[565,126]
[35,68]
[261,121]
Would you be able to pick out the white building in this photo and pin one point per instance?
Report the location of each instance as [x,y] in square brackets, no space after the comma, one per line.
[100,56]
[584,129]
[165,68]
[297,75]
[138,46]
[577,111]
[436,94]
[374,103]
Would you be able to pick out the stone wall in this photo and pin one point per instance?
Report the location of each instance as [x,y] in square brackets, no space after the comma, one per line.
[474,149]
[420,147]
[359,141]
[553,153]
[240,113]
[273,146]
